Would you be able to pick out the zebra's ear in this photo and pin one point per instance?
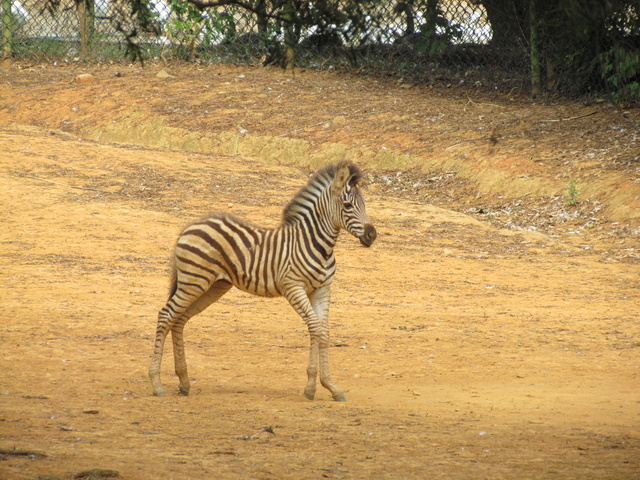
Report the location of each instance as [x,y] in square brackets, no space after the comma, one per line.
[340,179]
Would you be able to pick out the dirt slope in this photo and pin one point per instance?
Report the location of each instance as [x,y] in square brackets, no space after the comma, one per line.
[487,334]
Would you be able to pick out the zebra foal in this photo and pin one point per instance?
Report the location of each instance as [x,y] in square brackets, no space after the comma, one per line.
[295,261]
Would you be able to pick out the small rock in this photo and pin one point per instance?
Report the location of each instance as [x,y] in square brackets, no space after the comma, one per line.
[163,74]
[97,473]
[85,78]
[90,411]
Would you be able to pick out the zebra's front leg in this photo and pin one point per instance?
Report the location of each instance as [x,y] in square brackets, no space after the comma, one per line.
[312,369]
[320,300]
[314,310]
[319,356]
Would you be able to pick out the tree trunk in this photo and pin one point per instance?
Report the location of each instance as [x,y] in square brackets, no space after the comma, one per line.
[432,18]
[509,22]
[288,13]
[262,19]
[534,50]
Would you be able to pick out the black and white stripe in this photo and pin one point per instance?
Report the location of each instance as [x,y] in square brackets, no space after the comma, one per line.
[295,260]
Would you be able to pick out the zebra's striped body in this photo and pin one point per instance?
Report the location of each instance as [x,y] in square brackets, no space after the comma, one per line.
[294,260]
[253,259]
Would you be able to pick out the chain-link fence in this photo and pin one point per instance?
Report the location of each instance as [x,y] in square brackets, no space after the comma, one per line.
[94,29]
[478,42]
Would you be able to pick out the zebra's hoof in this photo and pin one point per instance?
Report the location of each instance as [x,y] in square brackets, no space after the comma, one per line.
[309,394]
[340,397]
[183,392]
[159,393]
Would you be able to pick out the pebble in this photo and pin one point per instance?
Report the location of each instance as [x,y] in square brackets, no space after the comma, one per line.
[85,78]
[97,473]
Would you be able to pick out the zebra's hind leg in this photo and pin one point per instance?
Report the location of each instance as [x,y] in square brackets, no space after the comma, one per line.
[166,318]
[178,355]
[182,299]
[218,289]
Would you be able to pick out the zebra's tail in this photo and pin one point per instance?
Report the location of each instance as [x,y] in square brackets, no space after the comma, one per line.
[174,280]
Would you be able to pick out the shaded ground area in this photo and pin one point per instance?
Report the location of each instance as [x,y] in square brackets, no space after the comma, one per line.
[491,331]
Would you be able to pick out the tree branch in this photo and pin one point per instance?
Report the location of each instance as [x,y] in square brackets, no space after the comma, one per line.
[220,3]
[203,4]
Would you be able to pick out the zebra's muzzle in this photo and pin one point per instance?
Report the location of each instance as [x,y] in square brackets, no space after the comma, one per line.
[369,235]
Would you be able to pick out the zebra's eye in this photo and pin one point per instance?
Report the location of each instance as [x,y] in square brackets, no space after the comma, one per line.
[348,205]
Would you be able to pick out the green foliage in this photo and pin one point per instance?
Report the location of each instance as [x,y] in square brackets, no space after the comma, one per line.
[190,26]
[572,191]
[621,72]
[437,34]
[185,24]
[593,45]
[617,33]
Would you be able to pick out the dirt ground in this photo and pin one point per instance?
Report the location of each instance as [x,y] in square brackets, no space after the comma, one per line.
[491,332]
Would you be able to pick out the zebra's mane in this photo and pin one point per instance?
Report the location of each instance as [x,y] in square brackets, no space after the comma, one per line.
[309,194]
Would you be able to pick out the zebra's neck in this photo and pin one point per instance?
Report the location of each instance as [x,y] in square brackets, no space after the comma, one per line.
[309,218]
[309,213]
[310,197]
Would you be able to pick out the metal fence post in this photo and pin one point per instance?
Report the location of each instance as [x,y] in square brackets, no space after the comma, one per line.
[7,29]
[86,18]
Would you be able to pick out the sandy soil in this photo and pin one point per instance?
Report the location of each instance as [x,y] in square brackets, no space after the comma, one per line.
[491,332]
